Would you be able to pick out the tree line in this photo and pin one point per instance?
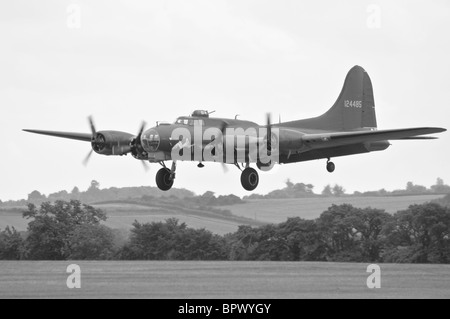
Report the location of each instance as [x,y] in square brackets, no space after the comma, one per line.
[95,194]
[301,190]
[343,233]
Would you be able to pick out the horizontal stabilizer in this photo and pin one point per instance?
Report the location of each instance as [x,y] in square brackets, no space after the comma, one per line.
[416,138]
[346,138]
[74,136]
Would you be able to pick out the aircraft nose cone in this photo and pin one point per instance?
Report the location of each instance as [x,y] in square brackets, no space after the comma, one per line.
[150,140]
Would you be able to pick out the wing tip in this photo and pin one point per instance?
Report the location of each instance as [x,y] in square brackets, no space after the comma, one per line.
[33,131]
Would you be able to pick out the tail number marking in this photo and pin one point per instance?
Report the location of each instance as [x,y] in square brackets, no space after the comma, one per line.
[355,104]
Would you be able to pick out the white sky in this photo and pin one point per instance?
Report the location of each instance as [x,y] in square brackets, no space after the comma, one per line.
[155,60]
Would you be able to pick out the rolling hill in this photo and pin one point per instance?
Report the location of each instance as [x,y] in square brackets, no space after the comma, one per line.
[278,210]
[122,214]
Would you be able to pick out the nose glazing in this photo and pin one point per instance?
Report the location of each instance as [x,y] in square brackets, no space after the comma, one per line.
[150,140]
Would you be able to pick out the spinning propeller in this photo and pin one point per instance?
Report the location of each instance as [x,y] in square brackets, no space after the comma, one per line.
[119,142]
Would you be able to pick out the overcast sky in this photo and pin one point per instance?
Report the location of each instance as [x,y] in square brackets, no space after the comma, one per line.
[128,61]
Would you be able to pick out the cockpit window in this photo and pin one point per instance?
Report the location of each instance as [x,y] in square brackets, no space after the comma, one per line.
[189,122]
[181,121]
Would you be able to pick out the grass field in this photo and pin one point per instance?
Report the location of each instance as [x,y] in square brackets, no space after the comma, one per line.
[255,212]
[228,280]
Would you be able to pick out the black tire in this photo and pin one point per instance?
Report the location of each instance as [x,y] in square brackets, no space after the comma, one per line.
[330,167]
[249,179]
[163,180]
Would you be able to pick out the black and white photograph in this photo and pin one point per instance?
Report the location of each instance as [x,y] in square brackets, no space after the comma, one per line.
[223,154]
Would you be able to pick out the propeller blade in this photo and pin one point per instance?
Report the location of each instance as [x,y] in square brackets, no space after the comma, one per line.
[224,167]
[86,159]
[145,165]
[141,130]
[91,124]
[269,133]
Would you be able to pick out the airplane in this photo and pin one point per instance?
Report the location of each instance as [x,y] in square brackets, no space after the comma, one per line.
[349,127]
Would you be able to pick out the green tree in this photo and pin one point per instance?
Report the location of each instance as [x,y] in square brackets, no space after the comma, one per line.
[327,191]
[95,186]
[52,225]
[440,187]
[91,242]
[172,240]
[36,196]
[415,189]
[207,198]
[241,243]
[152,241]
[369,224]
[301,188]
[75,193]
[338,190]
[61,195]
[270,244]
[199,244]
[337,226]
[419,234]
[262,243]
[11,244]
[231,199]
[289,184]
[444,201]
[304,239]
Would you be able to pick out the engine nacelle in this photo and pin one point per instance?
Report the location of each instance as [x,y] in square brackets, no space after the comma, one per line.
[112,142]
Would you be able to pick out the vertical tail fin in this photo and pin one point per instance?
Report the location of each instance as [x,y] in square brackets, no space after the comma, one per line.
[354,108]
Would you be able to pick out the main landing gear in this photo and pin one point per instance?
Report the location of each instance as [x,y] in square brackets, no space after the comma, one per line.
[165,177]
[249,178]
[330,166]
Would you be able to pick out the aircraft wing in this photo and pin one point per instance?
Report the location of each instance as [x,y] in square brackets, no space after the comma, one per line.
[416,138]
[74,136]
[322,140]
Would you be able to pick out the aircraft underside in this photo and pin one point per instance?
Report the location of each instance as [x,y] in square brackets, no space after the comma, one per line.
[250,177]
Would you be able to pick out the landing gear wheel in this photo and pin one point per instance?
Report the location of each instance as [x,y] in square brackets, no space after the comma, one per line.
[249,179]
[330,167]
[164,180]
